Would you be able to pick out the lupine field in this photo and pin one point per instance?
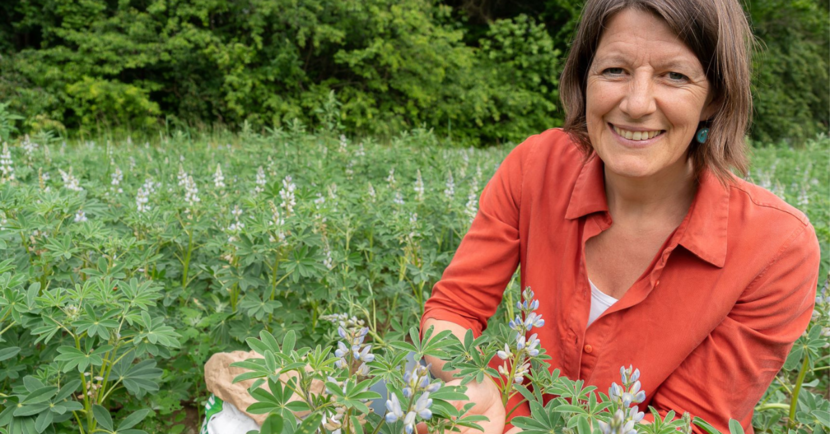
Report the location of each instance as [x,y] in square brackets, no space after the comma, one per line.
[126,264]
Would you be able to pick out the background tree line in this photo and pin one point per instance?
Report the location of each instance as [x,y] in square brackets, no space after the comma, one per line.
[478,71]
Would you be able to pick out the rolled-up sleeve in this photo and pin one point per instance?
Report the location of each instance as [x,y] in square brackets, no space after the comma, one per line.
[472,286]
[728,373]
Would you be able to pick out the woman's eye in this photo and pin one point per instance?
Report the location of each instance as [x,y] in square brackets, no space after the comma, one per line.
[613,71]
[676,76]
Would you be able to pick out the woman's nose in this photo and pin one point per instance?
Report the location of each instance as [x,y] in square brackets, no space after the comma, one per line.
[639,101]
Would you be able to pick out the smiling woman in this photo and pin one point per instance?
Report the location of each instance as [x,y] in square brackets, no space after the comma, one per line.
[641,245]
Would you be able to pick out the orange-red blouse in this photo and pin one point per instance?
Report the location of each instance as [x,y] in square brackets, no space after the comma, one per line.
[709,323]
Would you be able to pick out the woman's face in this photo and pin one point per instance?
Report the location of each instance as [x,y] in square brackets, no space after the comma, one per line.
[646,94]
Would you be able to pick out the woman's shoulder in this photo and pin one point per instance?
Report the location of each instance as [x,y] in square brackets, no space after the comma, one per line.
[547,151]
[768,225]
[764,205]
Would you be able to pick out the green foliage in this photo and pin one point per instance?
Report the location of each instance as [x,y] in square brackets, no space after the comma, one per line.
[791,86]
[391,64]
[110,266]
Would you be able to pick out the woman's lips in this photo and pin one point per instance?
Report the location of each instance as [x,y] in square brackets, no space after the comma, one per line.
[635,138]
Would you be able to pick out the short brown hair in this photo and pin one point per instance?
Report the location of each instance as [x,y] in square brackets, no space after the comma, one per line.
[718,33]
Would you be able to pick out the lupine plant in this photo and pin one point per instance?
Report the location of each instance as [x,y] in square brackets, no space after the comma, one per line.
[413,397]
[184,247]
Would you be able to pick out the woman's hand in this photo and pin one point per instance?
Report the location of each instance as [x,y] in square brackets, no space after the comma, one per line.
[488,403]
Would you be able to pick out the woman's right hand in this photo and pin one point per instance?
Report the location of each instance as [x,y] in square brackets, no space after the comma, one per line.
[487,401]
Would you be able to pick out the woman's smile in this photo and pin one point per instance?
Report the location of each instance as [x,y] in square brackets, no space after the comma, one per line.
[636,137]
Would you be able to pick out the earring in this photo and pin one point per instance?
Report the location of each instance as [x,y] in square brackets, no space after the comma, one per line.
[701,135]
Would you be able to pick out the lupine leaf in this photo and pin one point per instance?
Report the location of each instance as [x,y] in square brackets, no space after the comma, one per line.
[8,353]
[133,419]
[102,416]
[310,424]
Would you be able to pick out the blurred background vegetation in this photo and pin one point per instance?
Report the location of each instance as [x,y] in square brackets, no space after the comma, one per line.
[480,72]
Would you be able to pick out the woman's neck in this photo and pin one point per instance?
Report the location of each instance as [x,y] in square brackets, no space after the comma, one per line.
[664,197]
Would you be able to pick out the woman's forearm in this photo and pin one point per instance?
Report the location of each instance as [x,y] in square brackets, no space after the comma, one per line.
[438,364]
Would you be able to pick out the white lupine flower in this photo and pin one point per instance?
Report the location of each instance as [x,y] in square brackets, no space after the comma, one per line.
[371,192]
[779,191]
[413,221]
[182,175]
[391,178]
[327,261]
[343,143]
[6,165]
[132,162]
[393,407]
[218,177]
[260,181]
[449,191]
[150,186]
[29,148]
[277,222]
[803,199]
[360,151]
[505,354]
[349,169]
[398,200]
[419,187]
[80,217]
[117,177]
[141,199]
[472,205]
[191,192]
[69,181]
[287,195]
[236,226]
[47,155]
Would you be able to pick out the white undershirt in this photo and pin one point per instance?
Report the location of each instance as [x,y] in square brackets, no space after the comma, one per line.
[600,302]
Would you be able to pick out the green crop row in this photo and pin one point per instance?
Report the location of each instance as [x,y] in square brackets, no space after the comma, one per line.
[125,265]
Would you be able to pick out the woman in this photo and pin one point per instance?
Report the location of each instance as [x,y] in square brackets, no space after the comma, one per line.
[628,224]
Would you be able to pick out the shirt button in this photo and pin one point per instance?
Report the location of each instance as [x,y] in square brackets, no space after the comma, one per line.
[589,349]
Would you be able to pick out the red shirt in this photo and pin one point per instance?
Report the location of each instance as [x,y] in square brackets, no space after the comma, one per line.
[709,323]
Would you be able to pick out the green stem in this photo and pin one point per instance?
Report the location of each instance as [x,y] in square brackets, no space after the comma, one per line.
[801,374]
[8,327]
[772,405]
[377,428]
[186,261]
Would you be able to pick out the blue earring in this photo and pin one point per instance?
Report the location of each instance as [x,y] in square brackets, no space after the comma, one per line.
[702,134]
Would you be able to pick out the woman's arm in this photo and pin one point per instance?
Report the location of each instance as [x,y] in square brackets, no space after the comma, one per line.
[472,286]
[726,375]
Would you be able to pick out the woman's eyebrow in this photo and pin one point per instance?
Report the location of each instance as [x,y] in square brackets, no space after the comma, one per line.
[677,64]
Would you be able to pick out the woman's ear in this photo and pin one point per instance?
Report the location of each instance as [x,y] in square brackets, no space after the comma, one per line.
[713,105]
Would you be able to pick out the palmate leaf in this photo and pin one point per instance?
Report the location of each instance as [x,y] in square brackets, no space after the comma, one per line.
[258,308]
[278,400]
[142,295]
[542,420]
[138,378]
[75,357]
[303,262]
[430,345]
[156,332]
[95,324]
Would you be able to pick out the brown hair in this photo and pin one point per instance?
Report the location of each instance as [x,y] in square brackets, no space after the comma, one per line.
[718,33]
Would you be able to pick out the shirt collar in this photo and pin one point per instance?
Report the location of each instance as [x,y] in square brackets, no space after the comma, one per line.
[703,231]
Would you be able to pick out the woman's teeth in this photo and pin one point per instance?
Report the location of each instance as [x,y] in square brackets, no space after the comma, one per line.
[636,135]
